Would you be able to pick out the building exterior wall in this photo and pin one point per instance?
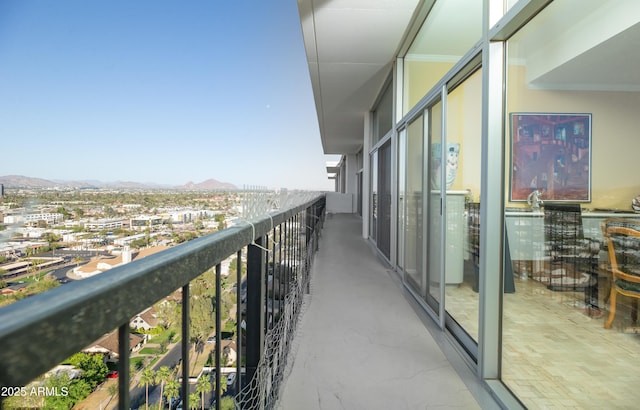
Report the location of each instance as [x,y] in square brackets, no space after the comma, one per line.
[452,109]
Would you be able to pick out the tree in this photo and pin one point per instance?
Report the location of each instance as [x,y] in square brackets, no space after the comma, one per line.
[52,239]
[148,377]
[227,403]
[78,213]
[162,376]
[201,313]
[65,214]
[77,260]
[193,401]
[112,390]
[60,401]
[169,313]
[172,390]
[93,368]
[70,391]
[223,384]
[203,386]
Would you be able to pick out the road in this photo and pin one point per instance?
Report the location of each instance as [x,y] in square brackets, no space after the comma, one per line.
[170,359]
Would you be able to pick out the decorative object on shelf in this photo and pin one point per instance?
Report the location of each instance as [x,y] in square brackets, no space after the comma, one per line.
[551,152]
[452,156]
[534,200]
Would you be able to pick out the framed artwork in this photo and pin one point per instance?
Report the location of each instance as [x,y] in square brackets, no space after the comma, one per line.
[551,153]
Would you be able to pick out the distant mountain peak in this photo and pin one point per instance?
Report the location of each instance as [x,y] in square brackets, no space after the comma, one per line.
[208,185]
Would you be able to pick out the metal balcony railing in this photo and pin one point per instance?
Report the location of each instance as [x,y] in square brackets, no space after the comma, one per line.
[39,332]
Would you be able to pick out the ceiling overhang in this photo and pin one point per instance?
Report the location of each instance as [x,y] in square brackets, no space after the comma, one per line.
[350,46]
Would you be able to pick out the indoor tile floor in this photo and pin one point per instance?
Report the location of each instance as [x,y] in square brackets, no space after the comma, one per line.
[555,356]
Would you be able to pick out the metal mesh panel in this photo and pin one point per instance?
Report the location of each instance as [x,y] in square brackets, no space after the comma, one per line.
[262,392]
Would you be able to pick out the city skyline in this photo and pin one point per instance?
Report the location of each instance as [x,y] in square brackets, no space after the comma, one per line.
[158,92]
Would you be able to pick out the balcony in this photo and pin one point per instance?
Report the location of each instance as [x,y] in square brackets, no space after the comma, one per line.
[359,344]
[364,344]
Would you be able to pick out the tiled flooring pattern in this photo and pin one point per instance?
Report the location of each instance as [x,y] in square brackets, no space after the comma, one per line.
[554,355]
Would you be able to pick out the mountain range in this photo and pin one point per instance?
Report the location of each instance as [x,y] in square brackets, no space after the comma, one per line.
[20,181]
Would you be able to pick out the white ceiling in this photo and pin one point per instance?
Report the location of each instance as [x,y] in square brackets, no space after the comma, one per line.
[351,45]
[582,45]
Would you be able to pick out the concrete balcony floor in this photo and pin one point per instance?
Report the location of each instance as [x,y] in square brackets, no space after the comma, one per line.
[363,344]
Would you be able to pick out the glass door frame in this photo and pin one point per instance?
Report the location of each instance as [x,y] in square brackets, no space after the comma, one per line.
[438,94]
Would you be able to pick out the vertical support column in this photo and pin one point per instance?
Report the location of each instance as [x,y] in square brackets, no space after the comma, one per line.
[255,307]
[123,367]
[366,176]
[186,305]
[492,201]
[218,335]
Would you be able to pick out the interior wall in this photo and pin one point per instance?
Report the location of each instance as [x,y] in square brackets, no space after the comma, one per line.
[464,126]
[420,77]
[614,138]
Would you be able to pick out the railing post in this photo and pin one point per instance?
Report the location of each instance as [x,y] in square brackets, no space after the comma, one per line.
[256,299]
[123,367]
[186,306]
[218,334]
[286,245]
[239,329]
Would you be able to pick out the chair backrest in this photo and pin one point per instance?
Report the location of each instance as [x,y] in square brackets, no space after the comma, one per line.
[622,238]
[562,226]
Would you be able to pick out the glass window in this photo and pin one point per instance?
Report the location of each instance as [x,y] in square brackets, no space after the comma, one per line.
[384,199]
[402,174]
[434,256]
[568,334]
[383,114]
[413,265]
[463,170]
[450,30]
[373,227]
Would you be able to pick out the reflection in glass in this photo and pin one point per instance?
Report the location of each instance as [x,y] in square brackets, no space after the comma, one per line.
[450,30]
[556,349]
[373,228]
[434,206]
[384,199]
[464,126]
[402,179]
[413,217]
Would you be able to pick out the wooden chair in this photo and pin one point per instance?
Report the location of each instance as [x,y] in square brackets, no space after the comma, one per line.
[622,238]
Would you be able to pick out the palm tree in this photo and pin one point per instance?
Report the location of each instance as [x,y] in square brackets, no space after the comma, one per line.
[203,386]
[162,376]
[193,401]
[113,390]
[77,260]
[148,377]
[172,391]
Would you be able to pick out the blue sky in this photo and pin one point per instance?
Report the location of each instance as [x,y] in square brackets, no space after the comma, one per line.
[158,91]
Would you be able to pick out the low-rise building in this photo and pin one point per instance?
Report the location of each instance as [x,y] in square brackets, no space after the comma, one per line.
[145,320]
